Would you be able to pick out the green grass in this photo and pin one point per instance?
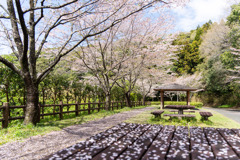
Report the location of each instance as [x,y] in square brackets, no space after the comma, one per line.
[18,131]
[216,121]
[225,106]
[196,104]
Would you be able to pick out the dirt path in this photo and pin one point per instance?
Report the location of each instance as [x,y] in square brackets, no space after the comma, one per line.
[38,147]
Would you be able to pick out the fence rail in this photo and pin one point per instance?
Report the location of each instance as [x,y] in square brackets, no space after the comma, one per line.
[58,109]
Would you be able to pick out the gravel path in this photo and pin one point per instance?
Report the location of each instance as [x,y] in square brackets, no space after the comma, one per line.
[233,114]
[37,147]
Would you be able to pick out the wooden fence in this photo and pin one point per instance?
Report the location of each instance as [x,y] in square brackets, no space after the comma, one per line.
[58,109]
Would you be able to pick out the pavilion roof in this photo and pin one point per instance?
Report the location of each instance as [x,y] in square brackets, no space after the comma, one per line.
[174,87]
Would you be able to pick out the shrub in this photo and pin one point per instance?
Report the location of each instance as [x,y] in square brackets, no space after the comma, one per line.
[225,106]
[196,104]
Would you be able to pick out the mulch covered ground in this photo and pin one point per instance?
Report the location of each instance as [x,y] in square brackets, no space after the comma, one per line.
[38,147]
[144,141]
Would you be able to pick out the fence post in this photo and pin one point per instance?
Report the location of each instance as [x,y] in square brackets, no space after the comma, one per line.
[61,110]
[6,111]
[42,106]
[89,108]
[93,106]
[117,104]
[98,106]
[76,108]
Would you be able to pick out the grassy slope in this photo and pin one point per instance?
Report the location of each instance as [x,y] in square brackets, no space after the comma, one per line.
[216,121]
[18,131]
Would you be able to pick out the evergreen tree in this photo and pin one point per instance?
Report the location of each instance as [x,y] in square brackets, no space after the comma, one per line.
[188,56]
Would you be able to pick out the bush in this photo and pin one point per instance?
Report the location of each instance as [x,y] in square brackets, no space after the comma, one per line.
[225,106]
[196,104]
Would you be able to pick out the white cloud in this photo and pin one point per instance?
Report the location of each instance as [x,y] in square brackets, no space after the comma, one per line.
[198,12]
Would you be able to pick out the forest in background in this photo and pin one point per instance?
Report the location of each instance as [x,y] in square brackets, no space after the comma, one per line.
[209,59]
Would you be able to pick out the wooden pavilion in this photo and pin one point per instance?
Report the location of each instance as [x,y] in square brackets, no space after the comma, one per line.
[174,87]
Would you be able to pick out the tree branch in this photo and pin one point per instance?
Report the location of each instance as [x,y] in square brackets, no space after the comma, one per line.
[50,7]
[10,65]
[16,35]
[9,39]
[35,23]
[4,17]
[57,59]
[24,28]
[57,22]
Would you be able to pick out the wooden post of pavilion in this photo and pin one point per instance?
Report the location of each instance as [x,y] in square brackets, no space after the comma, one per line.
[174,87]
[188,98]
[162,99]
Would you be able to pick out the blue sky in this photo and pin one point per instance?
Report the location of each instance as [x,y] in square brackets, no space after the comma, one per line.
[198,12]
[188,17]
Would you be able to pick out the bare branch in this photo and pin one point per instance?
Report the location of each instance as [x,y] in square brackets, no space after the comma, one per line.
[58,22]
[10,65]
[9,39]
[35,23]
[51,7]
[4,17]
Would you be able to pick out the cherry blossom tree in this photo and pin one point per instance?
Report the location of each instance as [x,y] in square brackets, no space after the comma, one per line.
[118,55]
[149,52]
[156,68]
[103,57]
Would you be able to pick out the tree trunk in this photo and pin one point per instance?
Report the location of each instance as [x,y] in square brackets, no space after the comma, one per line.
[54,98]
[76,98]
[143,101]
[43,95]
[108,101]
[54,102]
[60,96]
[128,101]
[68,107]
[89,99]
[24,96]
[67,97]
[7,96]
[32,114]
